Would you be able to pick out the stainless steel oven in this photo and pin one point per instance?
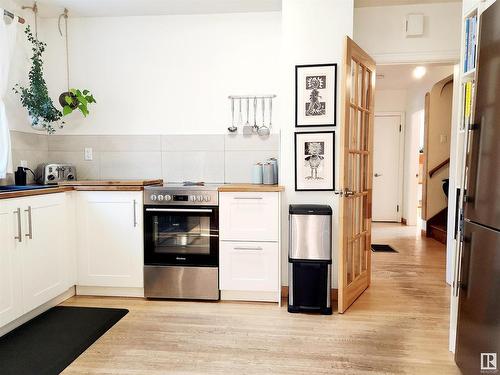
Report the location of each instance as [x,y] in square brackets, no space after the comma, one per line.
[181,242]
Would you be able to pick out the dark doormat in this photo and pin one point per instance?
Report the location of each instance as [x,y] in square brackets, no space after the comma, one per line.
[382,248]
[49,343]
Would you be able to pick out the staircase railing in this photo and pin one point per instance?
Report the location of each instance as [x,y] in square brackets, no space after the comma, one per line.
[438,167]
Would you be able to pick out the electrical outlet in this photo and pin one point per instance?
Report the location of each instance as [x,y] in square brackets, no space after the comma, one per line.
[443,138]
[88,154]
[24,163]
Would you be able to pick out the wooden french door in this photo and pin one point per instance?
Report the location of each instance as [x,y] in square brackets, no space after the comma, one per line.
[356,174]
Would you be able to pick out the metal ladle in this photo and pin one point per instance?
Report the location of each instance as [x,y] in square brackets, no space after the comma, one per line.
[255,127]
[264,130]
[232,128]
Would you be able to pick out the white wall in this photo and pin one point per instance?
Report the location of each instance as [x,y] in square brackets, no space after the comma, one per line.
[390,100]
[381,31]
[313,32]
[164,74]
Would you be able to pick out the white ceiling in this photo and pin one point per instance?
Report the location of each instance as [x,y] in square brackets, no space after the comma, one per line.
[120,8]
[381,3]
[400,77]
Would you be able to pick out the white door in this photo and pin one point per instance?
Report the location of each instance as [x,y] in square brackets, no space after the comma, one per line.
[387,179]
[10,263]
[110,239]
[44,266]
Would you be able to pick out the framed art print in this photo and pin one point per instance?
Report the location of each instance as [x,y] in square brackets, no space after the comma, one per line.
[315,161]
[315,95]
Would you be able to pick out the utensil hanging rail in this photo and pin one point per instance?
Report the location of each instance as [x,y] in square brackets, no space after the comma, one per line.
[251,96]
[13,16]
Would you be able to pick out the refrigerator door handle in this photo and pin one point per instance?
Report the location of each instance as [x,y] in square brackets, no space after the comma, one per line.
[464,263]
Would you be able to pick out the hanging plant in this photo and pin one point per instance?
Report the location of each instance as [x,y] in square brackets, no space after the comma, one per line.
[76,99]
[35,98]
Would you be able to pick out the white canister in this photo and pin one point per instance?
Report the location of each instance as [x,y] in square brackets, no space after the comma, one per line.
[274,162]
[257,174]
[268,174]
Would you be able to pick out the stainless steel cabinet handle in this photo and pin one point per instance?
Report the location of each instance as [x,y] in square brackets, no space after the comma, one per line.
[247,248]
[135,213]
[30,224]
[19,236]
[248,198]
[377,174]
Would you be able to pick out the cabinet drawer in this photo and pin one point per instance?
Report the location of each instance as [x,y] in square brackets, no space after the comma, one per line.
[249,216]
[249,266]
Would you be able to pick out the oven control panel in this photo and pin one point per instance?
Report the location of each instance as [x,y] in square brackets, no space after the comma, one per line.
[162,196]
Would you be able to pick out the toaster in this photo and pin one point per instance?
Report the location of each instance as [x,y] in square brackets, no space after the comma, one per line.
[52,174]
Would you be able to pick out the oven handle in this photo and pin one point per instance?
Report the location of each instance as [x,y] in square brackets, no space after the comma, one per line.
[188,210]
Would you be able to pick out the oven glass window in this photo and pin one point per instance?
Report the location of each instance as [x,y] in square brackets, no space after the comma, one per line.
[181,234]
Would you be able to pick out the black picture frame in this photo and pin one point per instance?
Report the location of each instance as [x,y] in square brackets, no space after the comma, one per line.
[333,158]
[297,68]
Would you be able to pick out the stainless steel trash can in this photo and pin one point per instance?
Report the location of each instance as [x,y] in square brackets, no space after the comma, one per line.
[310,258]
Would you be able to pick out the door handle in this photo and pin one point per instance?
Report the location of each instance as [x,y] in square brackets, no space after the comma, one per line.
[135,213]
[19,236]
[248,248]
[30,224]
[377,174]
[346,192]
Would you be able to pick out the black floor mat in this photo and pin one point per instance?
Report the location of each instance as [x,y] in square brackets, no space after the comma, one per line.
[49,343]
[382,248]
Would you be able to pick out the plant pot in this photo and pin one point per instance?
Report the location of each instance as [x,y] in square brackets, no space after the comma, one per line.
[38,127]
[62,100]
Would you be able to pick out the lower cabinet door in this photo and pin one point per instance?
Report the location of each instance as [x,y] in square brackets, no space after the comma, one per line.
[249,266]
[44,268]
[110,239]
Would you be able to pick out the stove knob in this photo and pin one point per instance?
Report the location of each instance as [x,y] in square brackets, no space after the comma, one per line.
[160,197]
[207,198]
[192,198]
[168,198]
[199,198]
[152,197]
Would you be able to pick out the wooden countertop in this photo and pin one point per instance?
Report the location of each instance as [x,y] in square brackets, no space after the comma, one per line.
[112,182]
[251,188]
[29,193]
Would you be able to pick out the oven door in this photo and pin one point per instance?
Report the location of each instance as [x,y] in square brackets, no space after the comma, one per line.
[180,235]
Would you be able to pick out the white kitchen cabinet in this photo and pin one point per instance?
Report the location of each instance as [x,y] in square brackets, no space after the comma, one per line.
[249,216]
[110,239]
[10,264]
[249,266]
[34,256]
[249,246]
[43,260]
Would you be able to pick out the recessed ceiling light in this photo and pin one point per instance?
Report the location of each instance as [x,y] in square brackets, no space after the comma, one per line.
[419,72]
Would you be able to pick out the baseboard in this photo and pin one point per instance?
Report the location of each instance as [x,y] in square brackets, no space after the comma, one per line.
[245,295]
[334,293]
[37,311]
[109,291]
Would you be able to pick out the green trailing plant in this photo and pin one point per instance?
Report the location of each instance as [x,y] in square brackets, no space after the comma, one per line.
[35,98]
[77,100]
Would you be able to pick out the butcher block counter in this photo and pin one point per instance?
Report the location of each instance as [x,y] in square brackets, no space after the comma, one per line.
[241,188]
[111,185]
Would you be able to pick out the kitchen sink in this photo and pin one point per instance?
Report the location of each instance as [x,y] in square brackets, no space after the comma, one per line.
[8,188]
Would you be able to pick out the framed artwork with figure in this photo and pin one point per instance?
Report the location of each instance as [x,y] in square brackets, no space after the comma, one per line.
[315,95]
[315,161]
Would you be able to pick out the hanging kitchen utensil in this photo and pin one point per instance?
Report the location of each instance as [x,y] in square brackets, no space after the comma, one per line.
[232,128]
[247,129]
[263,130]
[255,127]
[270,113]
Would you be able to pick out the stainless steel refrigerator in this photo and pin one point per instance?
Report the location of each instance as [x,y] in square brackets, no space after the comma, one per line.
[478,331]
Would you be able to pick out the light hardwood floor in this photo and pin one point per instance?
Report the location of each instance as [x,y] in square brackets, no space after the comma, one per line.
[398,326]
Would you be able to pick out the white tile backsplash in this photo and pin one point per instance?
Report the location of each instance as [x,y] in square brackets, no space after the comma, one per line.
[214,158]
[206,166]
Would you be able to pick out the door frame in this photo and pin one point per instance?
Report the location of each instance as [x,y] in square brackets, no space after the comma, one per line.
[401,170]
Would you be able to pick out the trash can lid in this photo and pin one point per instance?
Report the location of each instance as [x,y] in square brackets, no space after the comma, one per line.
[310,209]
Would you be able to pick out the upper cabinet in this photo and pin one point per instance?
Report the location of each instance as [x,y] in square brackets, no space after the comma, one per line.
[248,216]
[110,238]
